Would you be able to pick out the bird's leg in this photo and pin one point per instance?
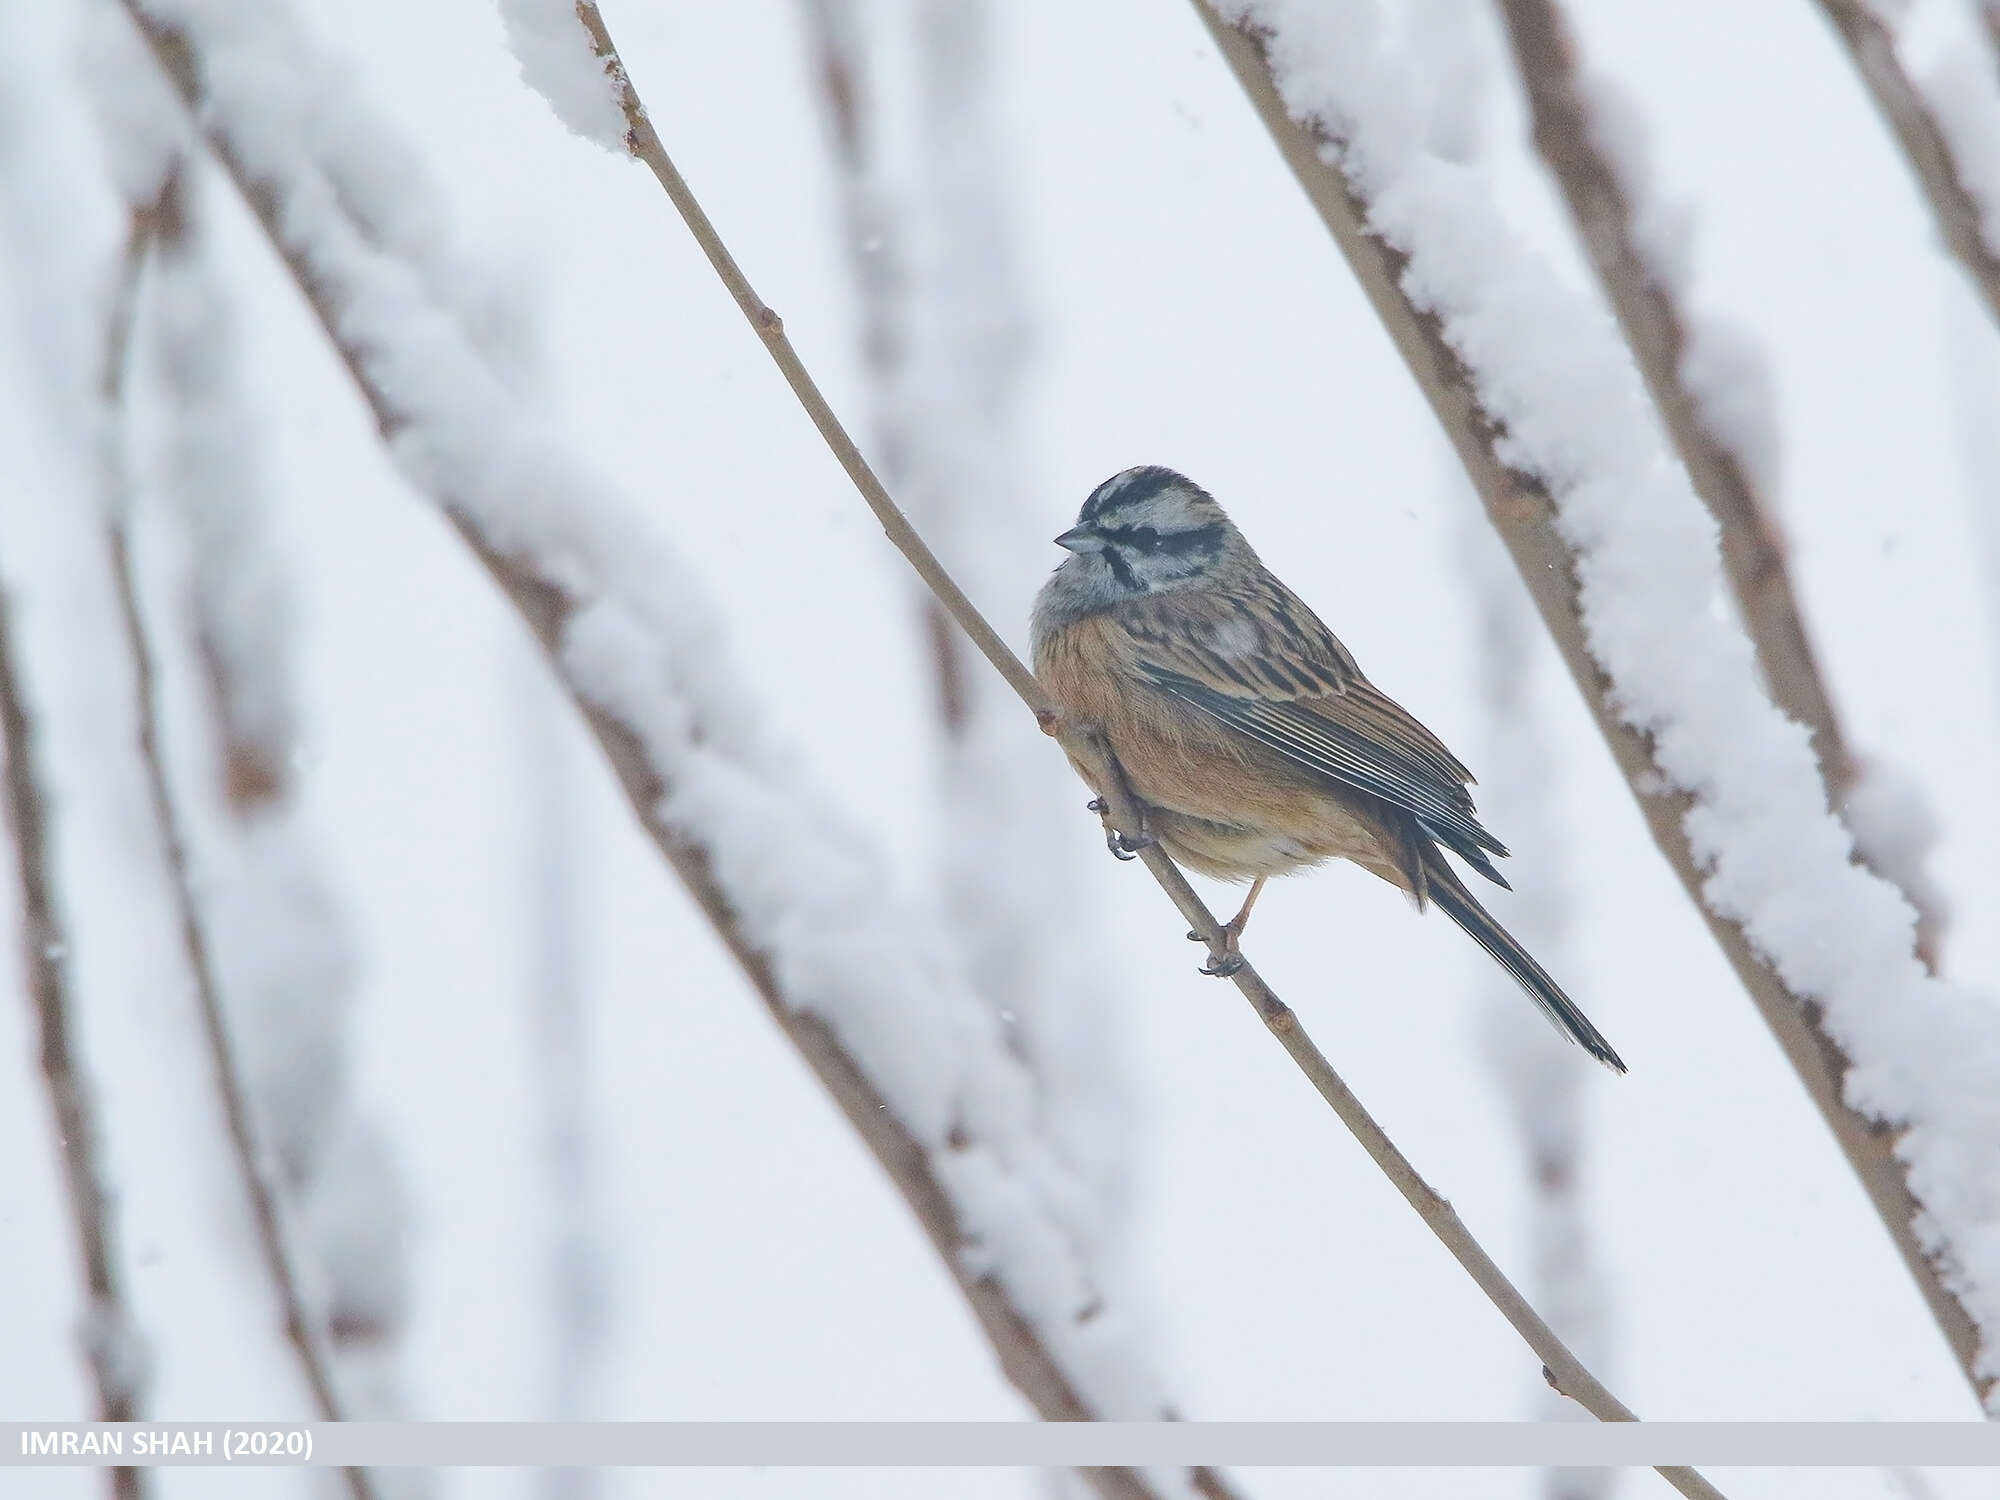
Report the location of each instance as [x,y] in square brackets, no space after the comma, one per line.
[1233,928]
[1227,962]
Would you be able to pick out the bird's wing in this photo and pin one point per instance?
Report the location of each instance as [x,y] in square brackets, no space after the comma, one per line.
[1261,662]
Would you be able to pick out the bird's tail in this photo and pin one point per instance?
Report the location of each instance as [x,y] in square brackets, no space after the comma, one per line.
[1449,892]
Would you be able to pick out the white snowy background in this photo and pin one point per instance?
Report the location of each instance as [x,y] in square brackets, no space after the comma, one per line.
[1187,308]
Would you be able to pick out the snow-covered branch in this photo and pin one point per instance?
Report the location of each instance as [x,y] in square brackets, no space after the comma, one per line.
[1711,389]
[1541,402]
[1948,123]
[1084,742]
[876,1004]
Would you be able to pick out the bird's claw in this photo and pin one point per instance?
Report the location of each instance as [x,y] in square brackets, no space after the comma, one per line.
[1228,961]
[1125,846]
[1222,965]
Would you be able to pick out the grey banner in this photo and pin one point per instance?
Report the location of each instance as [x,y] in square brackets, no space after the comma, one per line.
[894,1444]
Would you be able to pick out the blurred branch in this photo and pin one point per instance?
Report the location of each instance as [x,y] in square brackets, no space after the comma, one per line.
[337,1197]
[1601,199]
[112,1344]
[945,325]
[1523,512]
[1538,1079]
[1872,44]
[876,258]
[110,1336]
[571,1262]
[1564,1371]
[163,221]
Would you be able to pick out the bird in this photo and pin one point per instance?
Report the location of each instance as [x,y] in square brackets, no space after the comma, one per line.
[1245,731]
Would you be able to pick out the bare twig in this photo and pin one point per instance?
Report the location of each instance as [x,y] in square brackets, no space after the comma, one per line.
[163,221]
[111,1342]
[1569,137]
[1873,46]
[547,602]
[110,1336]
[1523,512]
[1088,745]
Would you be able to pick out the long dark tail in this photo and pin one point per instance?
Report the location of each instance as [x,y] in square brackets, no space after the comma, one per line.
[1449,892]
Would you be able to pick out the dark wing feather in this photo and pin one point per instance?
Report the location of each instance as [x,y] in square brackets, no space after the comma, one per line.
[1263,664]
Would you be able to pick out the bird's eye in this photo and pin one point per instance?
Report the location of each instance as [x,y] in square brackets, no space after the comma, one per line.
[1145,539]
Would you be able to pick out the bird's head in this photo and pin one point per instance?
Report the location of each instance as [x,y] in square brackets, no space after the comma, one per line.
[1150,530]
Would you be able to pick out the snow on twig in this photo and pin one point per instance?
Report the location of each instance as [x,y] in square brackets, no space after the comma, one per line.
[878,1005]
[1543,404]
[557,63]
[1712,391]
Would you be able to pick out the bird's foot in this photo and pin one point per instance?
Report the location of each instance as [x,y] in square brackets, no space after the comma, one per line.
[1123,846]
[1230,959]
[1232,933]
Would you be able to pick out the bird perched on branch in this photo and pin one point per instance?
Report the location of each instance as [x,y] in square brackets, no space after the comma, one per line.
[1244,730]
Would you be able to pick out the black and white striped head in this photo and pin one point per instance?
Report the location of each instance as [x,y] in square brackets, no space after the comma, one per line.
[1149,530]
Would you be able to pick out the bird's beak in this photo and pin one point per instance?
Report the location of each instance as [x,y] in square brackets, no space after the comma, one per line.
[1081,539]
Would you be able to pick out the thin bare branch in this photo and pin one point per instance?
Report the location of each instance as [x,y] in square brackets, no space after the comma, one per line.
[1569,137]
[162,222]
[110,1336]
[1523,512]
[1567,1374]
[1910,119]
